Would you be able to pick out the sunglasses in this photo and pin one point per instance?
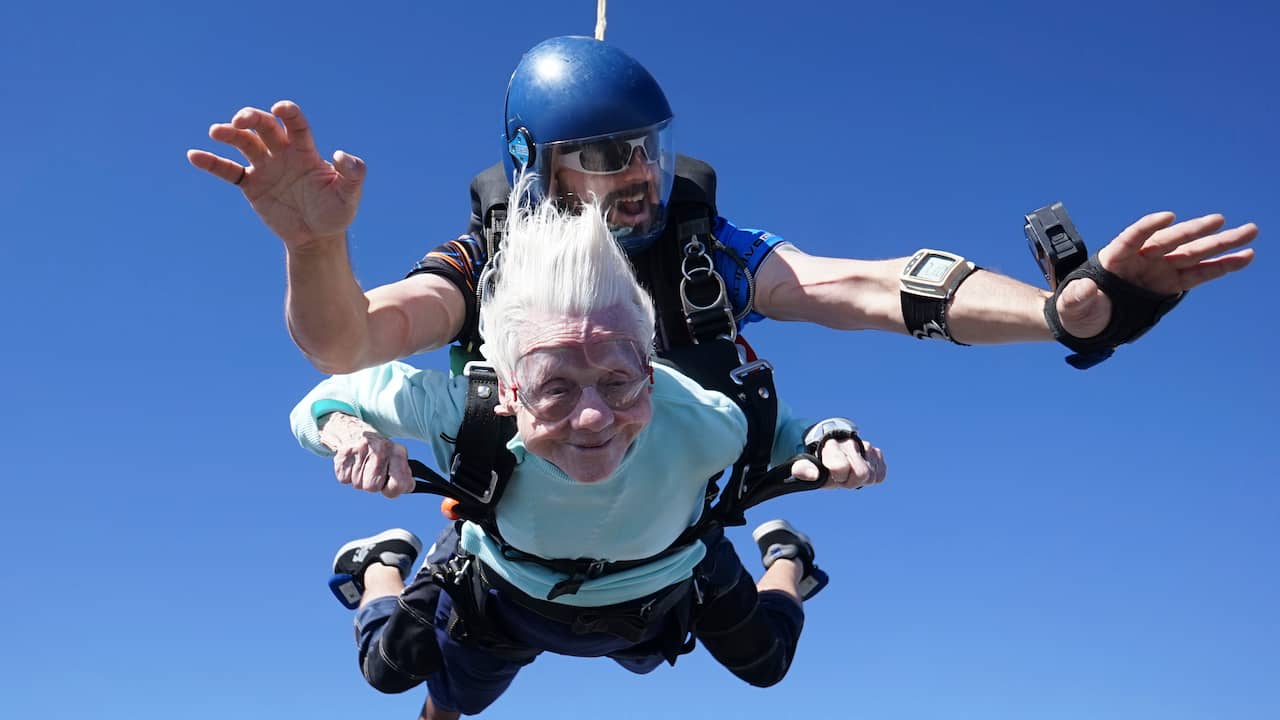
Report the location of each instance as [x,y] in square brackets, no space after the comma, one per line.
[611,155]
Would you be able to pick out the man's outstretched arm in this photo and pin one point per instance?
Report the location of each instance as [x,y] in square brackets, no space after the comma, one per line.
[341,329]
[309,203]
[1154,254]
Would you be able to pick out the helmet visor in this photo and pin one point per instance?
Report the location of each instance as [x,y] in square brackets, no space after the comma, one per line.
[629,175]
[610,155]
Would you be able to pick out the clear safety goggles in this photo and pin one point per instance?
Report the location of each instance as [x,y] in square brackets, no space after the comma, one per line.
[550,382]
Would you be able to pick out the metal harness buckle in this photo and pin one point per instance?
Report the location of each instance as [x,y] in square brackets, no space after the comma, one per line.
[482,497]
[740,373]
[698,272]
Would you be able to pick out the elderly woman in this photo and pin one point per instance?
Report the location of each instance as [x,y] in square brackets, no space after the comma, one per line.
[613,456]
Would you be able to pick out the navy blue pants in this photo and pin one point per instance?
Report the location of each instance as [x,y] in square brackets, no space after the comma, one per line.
[754,635]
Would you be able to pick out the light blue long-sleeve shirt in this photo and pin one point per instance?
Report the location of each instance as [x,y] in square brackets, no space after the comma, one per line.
[637,512]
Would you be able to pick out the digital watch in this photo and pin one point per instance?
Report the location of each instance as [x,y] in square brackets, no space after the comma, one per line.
[927,285]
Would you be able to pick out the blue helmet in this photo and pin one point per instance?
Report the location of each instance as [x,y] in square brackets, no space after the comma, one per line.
[578,113]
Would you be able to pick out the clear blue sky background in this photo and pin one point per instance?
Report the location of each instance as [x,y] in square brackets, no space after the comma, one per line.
[1050,543]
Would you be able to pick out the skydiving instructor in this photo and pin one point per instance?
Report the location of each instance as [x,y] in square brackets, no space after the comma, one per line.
[596,126]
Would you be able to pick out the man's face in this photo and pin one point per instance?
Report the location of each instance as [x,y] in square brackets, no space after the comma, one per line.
[588,381]
[629,198]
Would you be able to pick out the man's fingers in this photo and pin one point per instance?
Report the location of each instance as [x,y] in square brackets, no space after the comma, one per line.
[1171,238]
[1077,293]
[246,141]
[350,167]
[1132,238]
[215,165]
[295,125]
[264,124]
[1189,254]
[1215,268]
[1083,308]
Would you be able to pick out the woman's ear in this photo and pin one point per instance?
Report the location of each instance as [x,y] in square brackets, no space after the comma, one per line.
[506,400]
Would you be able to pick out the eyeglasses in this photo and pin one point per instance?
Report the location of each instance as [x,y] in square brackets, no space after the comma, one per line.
[610,155]
[555,400]
[551,396]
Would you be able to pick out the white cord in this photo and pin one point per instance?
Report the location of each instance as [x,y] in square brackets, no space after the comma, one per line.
[600,22]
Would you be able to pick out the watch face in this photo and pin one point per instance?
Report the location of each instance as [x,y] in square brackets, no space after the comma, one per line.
[934,268]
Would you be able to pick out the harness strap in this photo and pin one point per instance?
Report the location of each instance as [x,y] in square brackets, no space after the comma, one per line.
[628,620]
[470,622]
[481,464]
[717,365]
[703,299]
[581,570]
[756,397]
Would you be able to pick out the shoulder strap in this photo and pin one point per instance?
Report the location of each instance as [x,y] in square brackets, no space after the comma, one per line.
[482,464]
[695,183]
[489,192]
[692,303]
[697,330]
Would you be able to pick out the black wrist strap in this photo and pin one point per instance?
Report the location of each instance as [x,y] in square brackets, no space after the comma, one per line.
[926,317]
[1134,311]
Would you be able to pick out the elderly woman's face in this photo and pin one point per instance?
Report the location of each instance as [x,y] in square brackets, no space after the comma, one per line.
[580,393]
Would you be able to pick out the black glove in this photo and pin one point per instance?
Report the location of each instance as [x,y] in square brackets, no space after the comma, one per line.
[1134,311]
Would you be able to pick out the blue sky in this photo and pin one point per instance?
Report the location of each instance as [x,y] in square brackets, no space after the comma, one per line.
[1050,543]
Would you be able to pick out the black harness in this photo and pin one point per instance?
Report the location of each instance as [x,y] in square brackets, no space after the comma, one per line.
[696,334]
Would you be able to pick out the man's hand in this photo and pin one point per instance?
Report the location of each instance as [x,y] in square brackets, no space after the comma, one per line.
[1156,255]
[302,198]
[364,458]
[847,467]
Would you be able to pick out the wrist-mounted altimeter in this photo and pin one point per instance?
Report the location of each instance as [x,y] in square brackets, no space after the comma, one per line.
[927,285]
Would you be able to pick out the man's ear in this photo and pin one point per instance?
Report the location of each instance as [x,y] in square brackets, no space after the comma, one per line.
[506,400]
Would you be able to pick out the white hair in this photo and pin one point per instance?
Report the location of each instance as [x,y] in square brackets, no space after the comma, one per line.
[556,263]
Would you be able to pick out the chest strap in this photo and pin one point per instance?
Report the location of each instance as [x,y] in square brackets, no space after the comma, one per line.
[481,464]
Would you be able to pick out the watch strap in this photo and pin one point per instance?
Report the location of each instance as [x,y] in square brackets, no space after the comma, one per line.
[926,317]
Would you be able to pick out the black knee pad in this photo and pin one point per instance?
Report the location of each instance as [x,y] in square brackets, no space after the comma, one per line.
[754,635]
[408,646]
